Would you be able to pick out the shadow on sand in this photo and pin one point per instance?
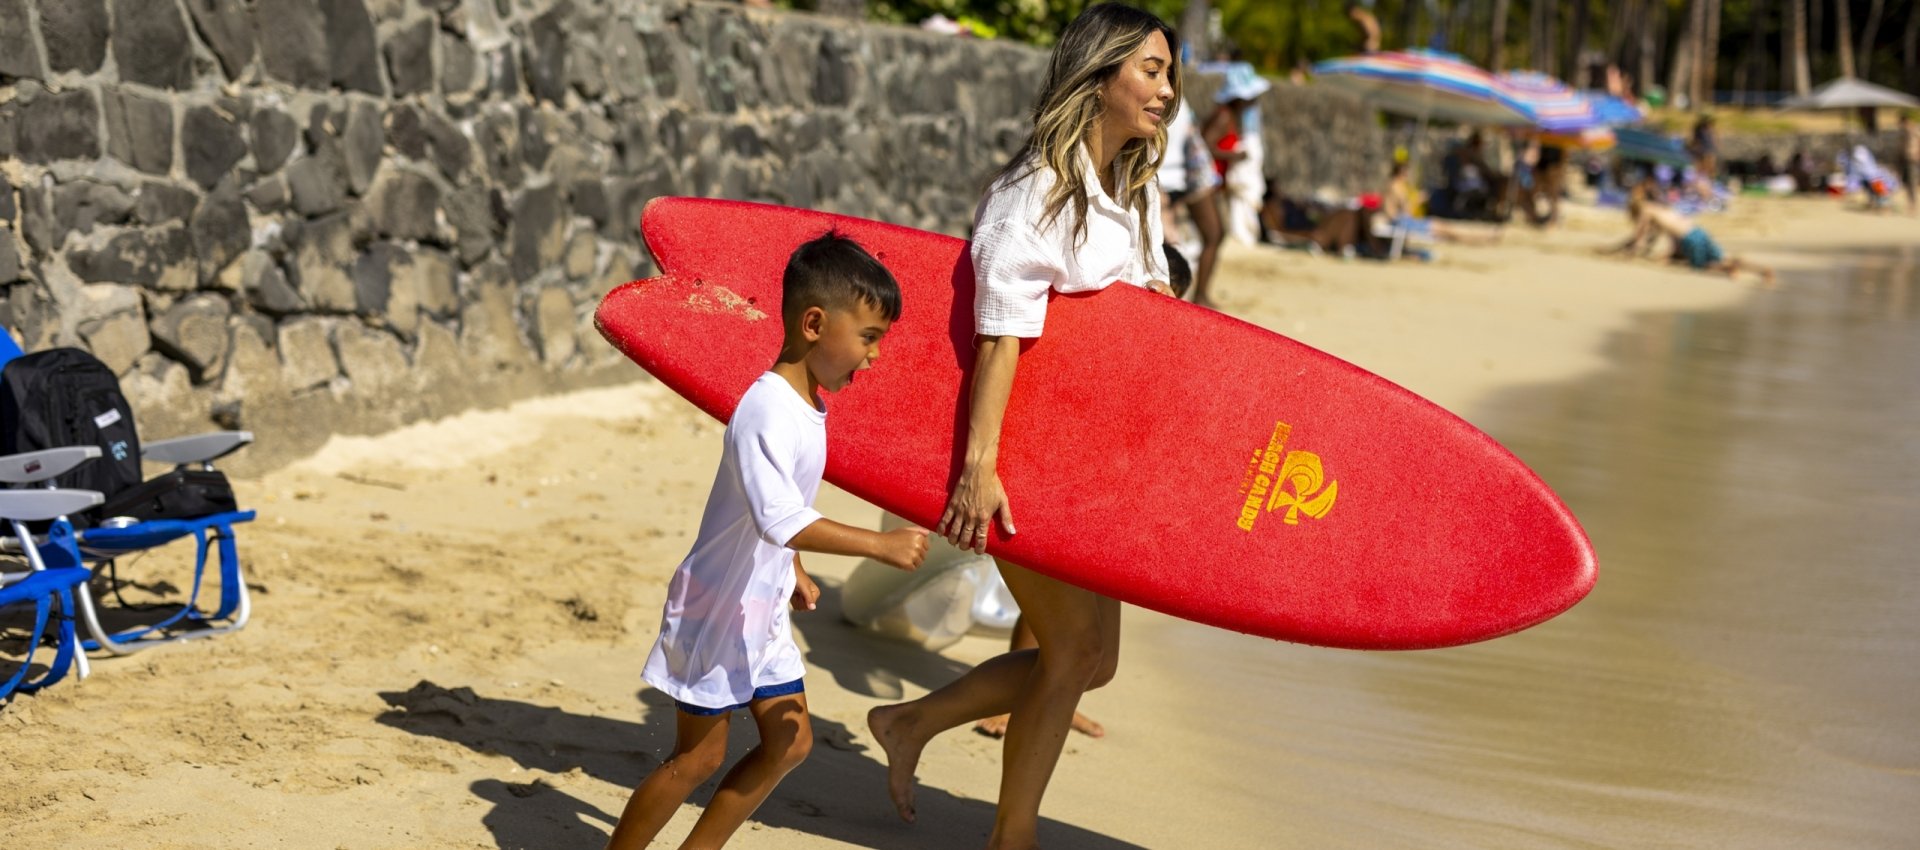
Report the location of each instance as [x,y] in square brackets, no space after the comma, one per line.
[838,793]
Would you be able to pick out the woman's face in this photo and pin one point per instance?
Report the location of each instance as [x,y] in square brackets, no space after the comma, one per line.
[1140,95]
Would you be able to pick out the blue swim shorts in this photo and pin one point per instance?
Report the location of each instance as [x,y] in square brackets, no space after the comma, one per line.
[1700,250]
[765,692]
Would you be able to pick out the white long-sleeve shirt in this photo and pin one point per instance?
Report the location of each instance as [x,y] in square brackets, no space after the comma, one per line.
[1016,262]
[726,630]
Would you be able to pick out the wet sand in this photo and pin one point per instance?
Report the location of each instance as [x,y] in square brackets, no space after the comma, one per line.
[451,618]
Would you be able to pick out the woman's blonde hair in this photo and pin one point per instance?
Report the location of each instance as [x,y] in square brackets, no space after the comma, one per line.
[1088,55]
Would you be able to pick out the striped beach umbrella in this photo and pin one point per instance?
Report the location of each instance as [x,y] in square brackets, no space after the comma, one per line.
[1426,84]
[1549,104]
[1615,111]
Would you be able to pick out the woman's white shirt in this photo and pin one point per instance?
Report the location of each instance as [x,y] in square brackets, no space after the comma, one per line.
[1016,261]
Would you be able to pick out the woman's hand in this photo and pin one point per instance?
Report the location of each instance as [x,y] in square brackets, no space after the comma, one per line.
[977,498]
[1161,287]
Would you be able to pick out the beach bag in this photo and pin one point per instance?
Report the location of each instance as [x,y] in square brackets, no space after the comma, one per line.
[67,397]
[177,494]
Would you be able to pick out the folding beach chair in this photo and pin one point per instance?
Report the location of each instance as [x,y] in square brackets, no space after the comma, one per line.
[115,537]
[47,585]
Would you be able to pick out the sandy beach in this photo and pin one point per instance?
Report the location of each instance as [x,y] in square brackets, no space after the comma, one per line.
[450,621]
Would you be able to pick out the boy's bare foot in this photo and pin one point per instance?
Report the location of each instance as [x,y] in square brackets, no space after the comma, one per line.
[884,723]
[996,727]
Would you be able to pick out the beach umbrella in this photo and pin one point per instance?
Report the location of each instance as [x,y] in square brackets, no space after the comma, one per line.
[1427,84]
[1614,111]
[1549,104]
[1651,146]
[1591,139]
[1850,93]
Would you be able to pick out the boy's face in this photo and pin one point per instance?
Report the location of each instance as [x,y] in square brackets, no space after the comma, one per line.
[845,341]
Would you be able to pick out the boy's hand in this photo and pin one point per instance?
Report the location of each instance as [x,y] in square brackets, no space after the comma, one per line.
[805,593]
[903,548]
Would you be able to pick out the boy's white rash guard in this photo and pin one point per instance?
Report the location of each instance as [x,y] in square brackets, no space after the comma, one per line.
[726,630]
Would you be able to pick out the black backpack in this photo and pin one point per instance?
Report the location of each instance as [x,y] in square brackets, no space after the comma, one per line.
[67,397]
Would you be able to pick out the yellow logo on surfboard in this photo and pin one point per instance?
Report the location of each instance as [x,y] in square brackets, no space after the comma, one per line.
[1279,480]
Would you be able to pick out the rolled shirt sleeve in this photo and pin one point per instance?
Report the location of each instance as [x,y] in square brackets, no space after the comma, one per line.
[778,509]
[1014,268]
[1156,255]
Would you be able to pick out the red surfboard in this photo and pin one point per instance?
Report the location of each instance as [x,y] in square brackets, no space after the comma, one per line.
[1157,452]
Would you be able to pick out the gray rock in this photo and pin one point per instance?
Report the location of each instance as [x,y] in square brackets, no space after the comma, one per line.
[319,184]
[306,353]
[403,298]
[590,199]
[10,268]
[459,68]
[19,53]
[8,211]
[546,55]
[407,130]
[224,26]
[503,73]
[626,64]
[489,337]
[274,135]
[151,44]
[363,142]
[56,126]
[293,42]
[538,232]
[410,59]
[194,332]
[266,285]
[404,205]
[80,205]
[37,220]
[76,34]
[585,72]
[211,143]
[164,203]
[582,250]
[500,147]
[158,257]
[271,195]
[118,340]
[537,131]
[553,325]
[473,223]
[449,146]
[430,277]
[221,230]
[373,278]
[139,130]
[321,260]
[373,360]
[834,73]
[352,48]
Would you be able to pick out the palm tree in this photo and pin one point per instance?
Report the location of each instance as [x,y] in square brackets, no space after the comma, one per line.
[1796,47]
[1707,70]
[1577,46]
[1871,34]
[1843,35]
[1497,56]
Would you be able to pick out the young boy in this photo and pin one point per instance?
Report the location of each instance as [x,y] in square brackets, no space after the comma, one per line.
[1691,244]
[725,642]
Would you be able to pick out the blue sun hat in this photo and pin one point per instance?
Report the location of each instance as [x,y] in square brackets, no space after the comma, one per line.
[1242,83]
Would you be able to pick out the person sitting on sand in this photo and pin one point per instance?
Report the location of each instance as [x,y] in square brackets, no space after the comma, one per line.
[1691,244]
[1396,205]
[725,639]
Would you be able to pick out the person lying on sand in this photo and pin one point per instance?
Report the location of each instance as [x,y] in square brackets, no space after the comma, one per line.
[1691,244]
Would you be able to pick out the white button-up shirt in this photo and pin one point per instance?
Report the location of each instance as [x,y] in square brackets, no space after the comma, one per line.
[1016,261]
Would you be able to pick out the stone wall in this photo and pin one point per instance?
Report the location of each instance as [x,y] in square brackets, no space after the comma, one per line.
[1825,148]
[307,217]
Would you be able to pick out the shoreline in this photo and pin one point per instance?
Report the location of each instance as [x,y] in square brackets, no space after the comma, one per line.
[450,618]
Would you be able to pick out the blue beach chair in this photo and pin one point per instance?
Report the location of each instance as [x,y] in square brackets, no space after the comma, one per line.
[54,569]
[115,538]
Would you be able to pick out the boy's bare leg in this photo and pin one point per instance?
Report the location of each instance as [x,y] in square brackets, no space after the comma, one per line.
[1079,636]
[1733,266]
[786,737]
[1206,219]
[996,726]
[699,748]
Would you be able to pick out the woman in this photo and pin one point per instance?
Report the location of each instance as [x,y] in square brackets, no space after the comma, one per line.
[1074,210]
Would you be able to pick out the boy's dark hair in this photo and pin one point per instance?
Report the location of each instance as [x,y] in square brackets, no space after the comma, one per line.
[833,272]
[1179,274]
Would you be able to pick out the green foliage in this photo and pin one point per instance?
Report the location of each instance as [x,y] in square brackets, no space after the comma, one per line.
[1035,21]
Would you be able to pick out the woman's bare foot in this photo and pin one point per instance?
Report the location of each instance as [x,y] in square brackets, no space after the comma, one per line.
[884,723]
[996,727]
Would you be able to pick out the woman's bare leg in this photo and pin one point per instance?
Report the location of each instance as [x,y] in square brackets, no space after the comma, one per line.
[996,726]
[1206,218]
[1078,634]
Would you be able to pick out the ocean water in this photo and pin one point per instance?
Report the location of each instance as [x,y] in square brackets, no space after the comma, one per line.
[1747,671]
